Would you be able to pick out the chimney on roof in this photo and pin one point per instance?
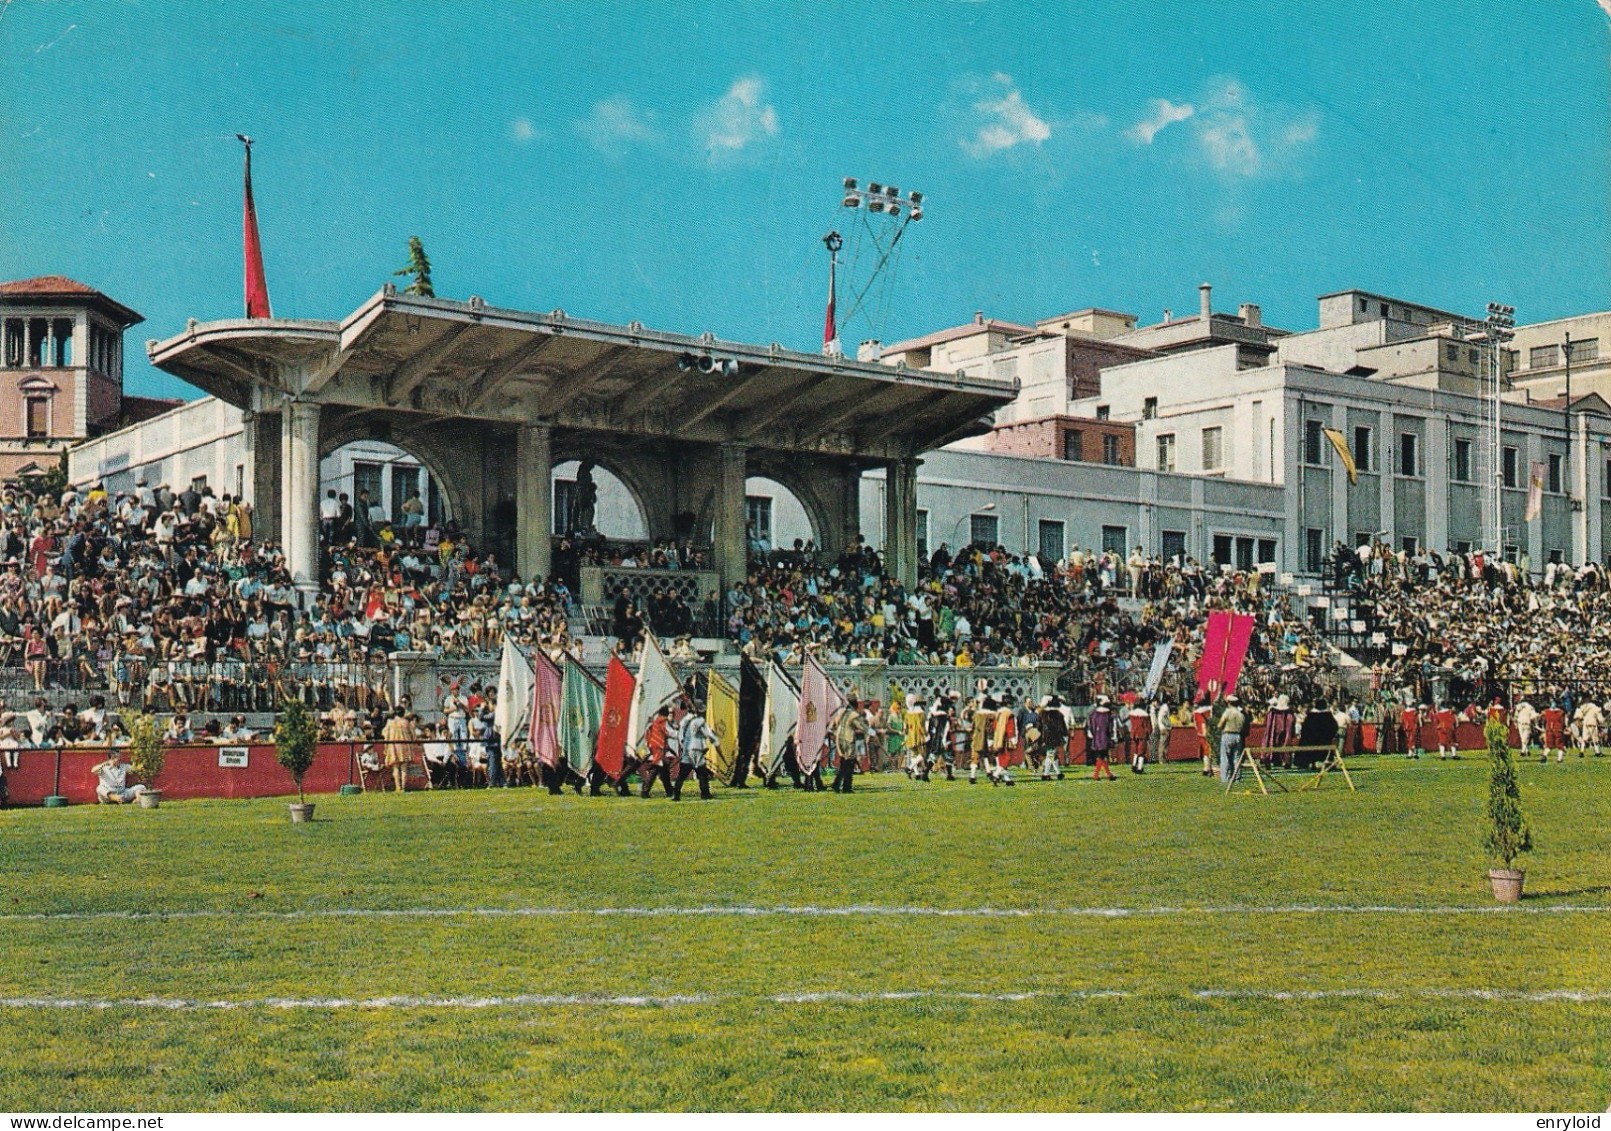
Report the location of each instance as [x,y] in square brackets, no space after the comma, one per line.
[1205,301]
[978,318]
[870,350]
[1169,315]
[1251,315]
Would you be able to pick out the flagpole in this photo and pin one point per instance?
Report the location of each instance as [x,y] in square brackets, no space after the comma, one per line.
[257,296]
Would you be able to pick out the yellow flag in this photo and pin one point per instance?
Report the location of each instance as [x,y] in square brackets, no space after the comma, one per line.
[721,712]
[1347,457]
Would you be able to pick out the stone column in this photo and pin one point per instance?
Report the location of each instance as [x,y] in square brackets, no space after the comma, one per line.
[731,535]
[900,521]
[534,501]
[849,507]
[299,495]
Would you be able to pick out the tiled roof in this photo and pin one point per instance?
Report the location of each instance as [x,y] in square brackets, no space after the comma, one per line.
[60,286]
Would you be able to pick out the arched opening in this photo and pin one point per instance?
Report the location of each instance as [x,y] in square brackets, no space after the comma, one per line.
[775,517]
[398,488]
[591,500]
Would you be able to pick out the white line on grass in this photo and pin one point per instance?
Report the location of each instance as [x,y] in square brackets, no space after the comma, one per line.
[853,910]
[817,997]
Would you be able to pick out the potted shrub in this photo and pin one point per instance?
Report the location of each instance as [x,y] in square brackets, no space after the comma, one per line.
[147,752]
[296,741]
[1508,835]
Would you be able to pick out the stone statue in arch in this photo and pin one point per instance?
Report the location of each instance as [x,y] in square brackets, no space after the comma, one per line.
[587,499]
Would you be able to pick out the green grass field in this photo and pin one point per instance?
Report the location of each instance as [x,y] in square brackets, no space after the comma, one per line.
[1323,950]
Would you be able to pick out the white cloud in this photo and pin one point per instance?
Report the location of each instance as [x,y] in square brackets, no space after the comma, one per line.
[1008,121]
[1162,113]
[737,119]
[522,130]
[613,123]
[1235,133]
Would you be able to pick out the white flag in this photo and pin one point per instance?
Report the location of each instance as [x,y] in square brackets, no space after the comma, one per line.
[782,712]
[657,687]
[515,679]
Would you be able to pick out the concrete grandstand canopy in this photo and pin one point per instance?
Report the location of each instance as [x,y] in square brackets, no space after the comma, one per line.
[465,360]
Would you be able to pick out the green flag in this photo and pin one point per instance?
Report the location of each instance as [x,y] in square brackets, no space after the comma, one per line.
[581,708]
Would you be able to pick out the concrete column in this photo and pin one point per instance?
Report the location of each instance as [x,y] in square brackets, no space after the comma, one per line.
[849,507]
[900,521]
[261,434]
[534,501]
[731,535]
[299,499]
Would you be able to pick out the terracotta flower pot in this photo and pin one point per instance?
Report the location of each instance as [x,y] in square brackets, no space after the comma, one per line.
[302,814]
[150,799]
[1507,883]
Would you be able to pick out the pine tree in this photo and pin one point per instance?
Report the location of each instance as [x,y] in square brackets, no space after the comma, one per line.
[1508,834]
[418,266]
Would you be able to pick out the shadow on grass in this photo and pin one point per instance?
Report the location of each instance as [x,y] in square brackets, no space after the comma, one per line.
[1566,893]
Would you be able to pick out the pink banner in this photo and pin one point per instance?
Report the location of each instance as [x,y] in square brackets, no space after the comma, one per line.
[1241,635]
[545,697]
[811,731]
[1212,662]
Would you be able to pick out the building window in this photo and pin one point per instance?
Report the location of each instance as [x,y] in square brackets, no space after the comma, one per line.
[1410,544]
[1586,350]
[1408,456]
[758,519]
[1073,445]
[1213,449]
[1266,550]
[367,477]
[1314,549]
[1115,539]
[198,483]
[1557,556]
[983,529]
[1555,475]
[240,481]
[1166,452]
[1362,448]
[1149,409]
[1314,438]
[1452,353]
[564,506]
[1507,467]
[1363,538]
[38,417]
[1174,546]
[406,482]
[1462,547]
[922,533]
[1110,450]
[1543,357]
[1102,411]
[1224,547]
[1051,541]
[1605,486]
[1462,461]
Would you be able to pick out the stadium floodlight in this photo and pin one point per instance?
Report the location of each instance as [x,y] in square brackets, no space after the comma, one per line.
[886,199]
[850,184]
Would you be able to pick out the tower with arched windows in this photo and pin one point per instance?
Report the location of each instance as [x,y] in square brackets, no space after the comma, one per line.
[61,369]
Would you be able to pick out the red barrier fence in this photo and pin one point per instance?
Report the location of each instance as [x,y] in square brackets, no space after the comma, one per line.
[189,771]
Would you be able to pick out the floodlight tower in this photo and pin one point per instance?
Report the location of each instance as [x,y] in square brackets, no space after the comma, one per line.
[1499,328]
[880,199]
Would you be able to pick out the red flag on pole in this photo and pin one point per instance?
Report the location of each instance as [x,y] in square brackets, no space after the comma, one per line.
[1236,644]
[257,296]
[830,331]
[609,754]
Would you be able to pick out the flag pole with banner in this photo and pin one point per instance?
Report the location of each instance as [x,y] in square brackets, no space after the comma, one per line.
[721,712]
[609,752]
[581,709]
[515,678]
[1535,491]
[782,711]
[257,296]
[1160,661]
[547,689]
[657,686]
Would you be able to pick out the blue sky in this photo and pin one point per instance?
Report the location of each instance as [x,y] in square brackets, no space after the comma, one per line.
[679,163]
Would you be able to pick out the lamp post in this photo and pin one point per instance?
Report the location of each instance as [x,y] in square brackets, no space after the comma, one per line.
[1498,329]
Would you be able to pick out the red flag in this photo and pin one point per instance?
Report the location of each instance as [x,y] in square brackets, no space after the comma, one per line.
[545,699]
[257,296]
[1212,662]
[609,754]
[830,331]
[1236,651]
